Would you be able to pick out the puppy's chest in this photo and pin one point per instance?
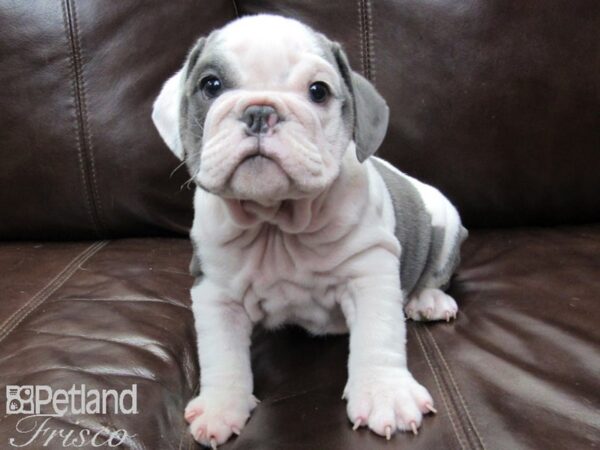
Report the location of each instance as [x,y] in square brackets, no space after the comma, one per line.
[281,279]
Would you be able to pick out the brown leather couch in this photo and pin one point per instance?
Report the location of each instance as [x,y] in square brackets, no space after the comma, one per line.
[496,102]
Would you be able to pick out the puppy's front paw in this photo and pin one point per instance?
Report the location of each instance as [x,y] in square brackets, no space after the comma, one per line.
[216,414]
[387,401]
[431,304]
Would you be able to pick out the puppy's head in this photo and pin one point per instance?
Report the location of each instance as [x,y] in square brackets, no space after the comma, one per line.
[264,109]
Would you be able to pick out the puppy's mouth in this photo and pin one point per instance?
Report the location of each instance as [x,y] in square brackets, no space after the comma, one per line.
[256,155]
[259,177]
[258,158]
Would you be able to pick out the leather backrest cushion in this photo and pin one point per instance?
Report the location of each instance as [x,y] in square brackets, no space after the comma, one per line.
[80,157]
[495,102]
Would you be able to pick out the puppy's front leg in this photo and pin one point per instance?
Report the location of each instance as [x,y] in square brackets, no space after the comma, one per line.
[225,401]
[381,392]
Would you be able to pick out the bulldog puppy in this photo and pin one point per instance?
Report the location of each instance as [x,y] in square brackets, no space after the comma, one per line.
[296,223]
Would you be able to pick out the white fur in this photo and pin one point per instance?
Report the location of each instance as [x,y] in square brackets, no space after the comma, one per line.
[336,270]
[323,256]
[165,113]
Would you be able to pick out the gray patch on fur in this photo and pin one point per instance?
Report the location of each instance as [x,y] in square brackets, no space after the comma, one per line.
[430,275]
[204,59]
[334,55]
[195,265]
[443,275]
[372,117]
[369,113]
[421,242]
[413,227]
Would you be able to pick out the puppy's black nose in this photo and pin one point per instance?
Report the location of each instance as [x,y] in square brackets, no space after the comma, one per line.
[259,119]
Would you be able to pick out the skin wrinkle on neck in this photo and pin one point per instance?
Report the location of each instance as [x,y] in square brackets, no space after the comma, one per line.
[291,216]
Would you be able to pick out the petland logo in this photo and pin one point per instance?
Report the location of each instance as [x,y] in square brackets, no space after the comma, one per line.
[39,404]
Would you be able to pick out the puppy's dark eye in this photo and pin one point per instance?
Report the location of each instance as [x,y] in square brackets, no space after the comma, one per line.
[319,92]
[211,86]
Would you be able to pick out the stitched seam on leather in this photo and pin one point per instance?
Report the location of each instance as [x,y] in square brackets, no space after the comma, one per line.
[26,309]
[471,423]
[442,390]
[463,424]
[86,192]
[82,125]
[363,65]
[365,24]
[86,123]
[370,41]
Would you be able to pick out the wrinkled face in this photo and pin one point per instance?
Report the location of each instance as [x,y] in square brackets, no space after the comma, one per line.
[265,114]
[265,108]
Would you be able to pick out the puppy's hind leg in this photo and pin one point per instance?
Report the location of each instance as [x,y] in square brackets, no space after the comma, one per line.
[431,304]
[428,302]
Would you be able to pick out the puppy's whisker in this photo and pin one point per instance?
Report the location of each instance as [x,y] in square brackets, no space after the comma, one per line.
[197,136]
[199,124]
[186,183]
[178,167]
[189,181]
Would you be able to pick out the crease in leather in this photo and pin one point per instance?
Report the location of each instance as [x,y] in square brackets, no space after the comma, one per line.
[166,354]
[294,395]
[456,403]
[36,300]
[186,437]
[167,301]
[235,8]
[139,374]
[82,128]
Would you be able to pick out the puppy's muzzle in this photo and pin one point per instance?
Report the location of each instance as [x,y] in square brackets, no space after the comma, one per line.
[260,119]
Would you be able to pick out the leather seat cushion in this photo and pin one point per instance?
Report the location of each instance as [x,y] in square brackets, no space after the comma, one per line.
[518,369]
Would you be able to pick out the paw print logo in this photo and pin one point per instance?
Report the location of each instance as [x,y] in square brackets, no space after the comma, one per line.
[19,399]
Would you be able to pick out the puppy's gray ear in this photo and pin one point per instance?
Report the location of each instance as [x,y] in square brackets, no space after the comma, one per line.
[167,106]
[371,113]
